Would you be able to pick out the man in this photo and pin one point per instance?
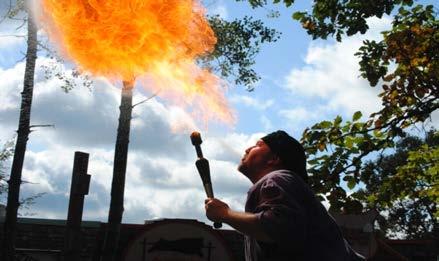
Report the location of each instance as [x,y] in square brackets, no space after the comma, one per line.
[283,220]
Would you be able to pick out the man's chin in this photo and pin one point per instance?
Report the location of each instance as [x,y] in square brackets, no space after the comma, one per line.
[243,169]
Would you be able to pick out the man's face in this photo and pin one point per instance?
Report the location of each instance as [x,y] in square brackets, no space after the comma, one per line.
[255,159]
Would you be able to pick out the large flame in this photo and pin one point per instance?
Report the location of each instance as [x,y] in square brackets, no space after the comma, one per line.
[155,41]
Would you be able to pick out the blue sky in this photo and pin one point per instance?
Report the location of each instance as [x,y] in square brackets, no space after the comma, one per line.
[302,82]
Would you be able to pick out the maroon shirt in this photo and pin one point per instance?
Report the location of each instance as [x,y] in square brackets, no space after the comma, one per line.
[293,217]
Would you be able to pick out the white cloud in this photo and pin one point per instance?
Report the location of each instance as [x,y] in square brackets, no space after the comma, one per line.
[331,73]
[12,38]
[156,187]
[266,123]
[252,102]
[11,84]
[329,83]
[297,114]
[298,117]
[230,147]
[161,179]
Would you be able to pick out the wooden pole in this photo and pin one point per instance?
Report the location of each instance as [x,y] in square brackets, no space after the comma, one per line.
[78,189]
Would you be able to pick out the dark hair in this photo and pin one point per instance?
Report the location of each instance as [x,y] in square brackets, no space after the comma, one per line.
[289,150]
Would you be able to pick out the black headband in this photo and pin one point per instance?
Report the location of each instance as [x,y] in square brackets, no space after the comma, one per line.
[289,150]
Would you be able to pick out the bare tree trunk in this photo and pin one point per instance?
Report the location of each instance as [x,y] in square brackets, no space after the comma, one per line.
[119,171]
[8,246]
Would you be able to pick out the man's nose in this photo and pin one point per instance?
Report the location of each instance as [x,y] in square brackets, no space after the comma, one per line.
[248,149]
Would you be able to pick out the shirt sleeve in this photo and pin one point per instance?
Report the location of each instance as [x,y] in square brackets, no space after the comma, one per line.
[280,215]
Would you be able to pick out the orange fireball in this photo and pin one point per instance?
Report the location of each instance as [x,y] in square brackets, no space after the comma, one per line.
[156,41]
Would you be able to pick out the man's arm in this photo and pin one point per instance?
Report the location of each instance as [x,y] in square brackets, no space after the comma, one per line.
[244,222]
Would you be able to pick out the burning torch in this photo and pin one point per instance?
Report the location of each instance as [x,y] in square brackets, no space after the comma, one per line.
[203,168]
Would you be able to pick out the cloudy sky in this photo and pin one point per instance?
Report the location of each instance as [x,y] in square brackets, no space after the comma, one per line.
[303,81]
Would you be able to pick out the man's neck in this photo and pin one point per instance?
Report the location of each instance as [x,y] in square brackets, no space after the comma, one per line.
[261,174]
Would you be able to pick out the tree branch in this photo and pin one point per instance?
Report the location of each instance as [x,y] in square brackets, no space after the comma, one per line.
[42,126]
[147,99]
[7,12]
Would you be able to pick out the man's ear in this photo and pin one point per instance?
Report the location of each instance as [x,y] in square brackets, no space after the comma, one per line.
[275,161]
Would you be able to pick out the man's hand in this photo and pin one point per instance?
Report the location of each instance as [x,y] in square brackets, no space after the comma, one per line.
[216,210]
[246,223]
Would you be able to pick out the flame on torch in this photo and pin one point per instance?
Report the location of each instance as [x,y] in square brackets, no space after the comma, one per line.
[153,41]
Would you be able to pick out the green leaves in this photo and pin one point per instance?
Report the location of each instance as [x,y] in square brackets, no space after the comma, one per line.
[357,115]
[260,3]
[409,92]
[409,95]
[351,182]
[337,18]
[420,174]
[238,43]
[404,184]
[299,15]
[372,67]
[336,149]
[324,124]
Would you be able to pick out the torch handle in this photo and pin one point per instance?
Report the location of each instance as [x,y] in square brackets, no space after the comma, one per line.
[204,171]
[199,151]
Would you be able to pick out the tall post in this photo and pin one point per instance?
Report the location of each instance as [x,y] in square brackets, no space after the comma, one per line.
[119,170]
[7,252]
[78,189]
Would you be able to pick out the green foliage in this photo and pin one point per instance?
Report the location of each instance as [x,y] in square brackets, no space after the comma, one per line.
[411,89]
[404,186]
[6,153]
[419,178]
[260,3]
[238,43]
[70,79]
[337,149]
[338,17]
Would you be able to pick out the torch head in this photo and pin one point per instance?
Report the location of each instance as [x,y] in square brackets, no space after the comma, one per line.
[196,138]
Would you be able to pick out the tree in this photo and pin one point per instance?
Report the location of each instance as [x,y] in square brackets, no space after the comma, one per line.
[14,202]
[119,172]
[400,186]
[409,96]
[8,249]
